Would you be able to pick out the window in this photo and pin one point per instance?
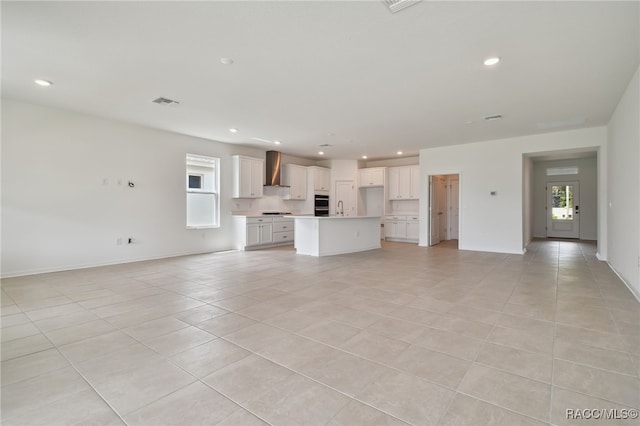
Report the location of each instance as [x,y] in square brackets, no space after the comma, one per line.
[195,181]
[557,171]
[203,191]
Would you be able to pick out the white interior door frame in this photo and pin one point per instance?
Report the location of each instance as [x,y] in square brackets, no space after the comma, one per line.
[434,228]
[435,236]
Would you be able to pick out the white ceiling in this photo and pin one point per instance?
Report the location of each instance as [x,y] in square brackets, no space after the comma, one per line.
[349,74]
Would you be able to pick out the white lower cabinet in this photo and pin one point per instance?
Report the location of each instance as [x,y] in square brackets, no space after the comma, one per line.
[282,230]
[413,228]
[395,228]
[401,228]
[261,232]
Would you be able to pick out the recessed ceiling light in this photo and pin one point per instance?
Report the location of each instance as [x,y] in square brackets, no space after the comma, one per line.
[276,142]
[491,61]
[226,61]
[233,130]
[320,152]
[399,153]
[44,83]
[364,157]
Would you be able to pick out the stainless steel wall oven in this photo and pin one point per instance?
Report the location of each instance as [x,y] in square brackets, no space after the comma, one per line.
[321,205]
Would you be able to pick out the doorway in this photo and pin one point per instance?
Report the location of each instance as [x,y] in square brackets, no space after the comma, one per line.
[444,208]
[345,201]
[560,195]
[563,209]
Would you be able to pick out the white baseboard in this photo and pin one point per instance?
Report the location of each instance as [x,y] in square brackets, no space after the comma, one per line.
[76,267]
[636,295]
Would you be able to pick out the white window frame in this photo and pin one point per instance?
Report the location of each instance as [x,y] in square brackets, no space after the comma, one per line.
[195,201]
[565,170]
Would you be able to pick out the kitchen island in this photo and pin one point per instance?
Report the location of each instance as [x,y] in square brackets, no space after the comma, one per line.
[325,236]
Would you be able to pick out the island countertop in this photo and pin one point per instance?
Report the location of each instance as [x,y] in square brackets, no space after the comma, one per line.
[329,235]
[332,217]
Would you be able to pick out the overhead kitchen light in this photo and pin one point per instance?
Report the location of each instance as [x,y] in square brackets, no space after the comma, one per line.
[44,83]
[233,130]
[491,61]
[399,152]
[364,157]
[226,61]
[277,142]
[320,152]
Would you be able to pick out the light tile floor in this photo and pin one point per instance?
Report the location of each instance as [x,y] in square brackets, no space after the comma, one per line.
[400,335]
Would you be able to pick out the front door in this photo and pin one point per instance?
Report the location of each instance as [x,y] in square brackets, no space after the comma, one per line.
[563,210]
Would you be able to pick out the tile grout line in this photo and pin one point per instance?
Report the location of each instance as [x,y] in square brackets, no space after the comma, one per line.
[553,344]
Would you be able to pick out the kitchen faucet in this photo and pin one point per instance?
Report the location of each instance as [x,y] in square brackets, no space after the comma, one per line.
[340,208]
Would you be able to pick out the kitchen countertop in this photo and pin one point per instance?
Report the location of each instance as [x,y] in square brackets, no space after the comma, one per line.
[259,214]
[334,217]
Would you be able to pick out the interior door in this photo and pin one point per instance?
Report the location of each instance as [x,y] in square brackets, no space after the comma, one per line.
[345,192]
[434,218]
[563,210]
[454,208]
[441,191]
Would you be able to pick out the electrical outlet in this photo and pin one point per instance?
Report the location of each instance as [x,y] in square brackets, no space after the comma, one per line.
[130,241]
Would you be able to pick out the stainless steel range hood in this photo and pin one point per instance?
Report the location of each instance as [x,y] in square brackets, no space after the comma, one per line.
[273,169]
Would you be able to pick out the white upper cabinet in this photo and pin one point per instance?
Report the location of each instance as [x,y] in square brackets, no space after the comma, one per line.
[404,183]
[373,176]
[321,178]
[295,177]
[248,177]
[414,171]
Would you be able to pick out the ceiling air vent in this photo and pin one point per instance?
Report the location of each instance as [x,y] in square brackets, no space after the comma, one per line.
[324,145]
[397,5]
[165,101]
[493,117]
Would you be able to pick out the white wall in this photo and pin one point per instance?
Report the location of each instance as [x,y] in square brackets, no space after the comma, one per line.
[587,177]
[341,170]
[494,166]
[623,187]
[56,212]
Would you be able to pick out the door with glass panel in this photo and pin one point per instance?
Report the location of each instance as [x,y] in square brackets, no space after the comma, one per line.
[563,210]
